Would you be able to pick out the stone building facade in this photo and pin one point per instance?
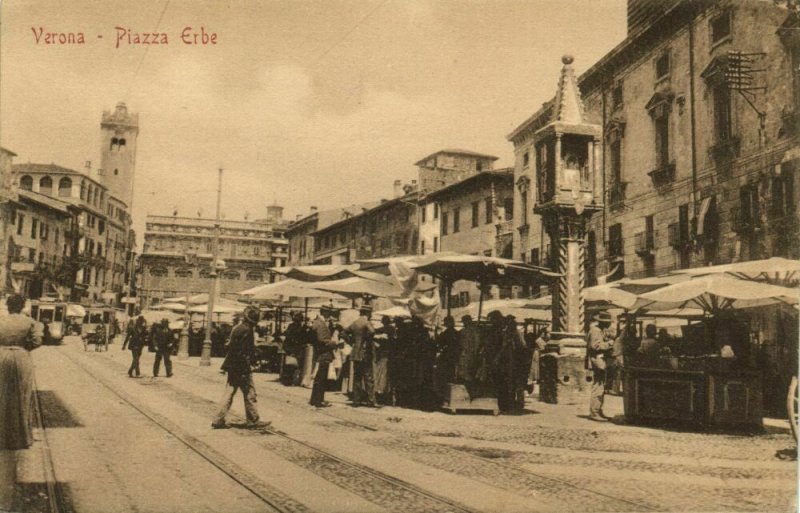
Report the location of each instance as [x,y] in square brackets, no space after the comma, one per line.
[248,249]
[695,172]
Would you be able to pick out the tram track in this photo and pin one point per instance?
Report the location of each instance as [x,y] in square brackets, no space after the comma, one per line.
[639,506]
[393,485]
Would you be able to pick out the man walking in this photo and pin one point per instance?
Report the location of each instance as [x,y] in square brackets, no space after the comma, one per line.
[162,340]
[135,340]
[363,356]
[323,346]
[597,344]
[238,365]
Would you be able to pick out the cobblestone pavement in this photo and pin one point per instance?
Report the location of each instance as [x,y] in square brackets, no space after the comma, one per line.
[548,460]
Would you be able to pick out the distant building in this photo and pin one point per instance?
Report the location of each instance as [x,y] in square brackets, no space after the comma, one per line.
[390,228]
[300,231]
[449,166]
[689,175]
[248,249]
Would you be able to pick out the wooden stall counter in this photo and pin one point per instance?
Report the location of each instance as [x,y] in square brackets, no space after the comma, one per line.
[702,392]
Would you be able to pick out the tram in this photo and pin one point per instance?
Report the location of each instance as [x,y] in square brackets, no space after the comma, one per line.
[52,315]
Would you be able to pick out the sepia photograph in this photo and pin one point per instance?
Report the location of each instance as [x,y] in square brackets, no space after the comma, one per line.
[363,256]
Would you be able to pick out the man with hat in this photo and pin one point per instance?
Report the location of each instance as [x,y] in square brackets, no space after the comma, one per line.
[238,364]
[321,337]
[361,334]
[598,342]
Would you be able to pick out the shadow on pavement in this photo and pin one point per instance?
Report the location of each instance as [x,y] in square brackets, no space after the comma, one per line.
[55,413]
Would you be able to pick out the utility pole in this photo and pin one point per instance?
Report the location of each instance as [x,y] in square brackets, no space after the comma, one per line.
[205,355]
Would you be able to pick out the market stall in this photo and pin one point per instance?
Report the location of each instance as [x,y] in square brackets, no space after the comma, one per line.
[709,375]
[485,366]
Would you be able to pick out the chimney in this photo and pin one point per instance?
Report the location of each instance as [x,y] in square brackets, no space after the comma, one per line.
[313,210]
[398,188]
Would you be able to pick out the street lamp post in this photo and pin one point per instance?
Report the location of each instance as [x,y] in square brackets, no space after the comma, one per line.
[183,341]
[205,355]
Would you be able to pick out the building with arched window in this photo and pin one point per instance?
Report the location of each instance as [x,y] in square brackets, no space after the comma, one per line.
[248,249]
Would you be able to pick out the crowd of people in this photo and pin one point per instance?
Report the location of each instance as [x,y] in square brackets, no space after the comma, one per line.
[402,362]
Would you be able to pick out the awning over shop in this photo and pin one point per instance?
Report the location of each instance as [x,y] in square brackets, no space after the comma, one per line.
[75,310]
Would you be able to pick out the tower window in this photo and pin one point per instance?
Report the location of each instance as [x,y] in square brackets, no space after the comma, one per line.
[46,185]
[65,187]
[116,172]
[26,183]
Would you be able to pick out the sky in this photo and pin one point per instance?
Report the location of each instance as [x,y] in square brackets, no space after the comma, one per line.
[302,103]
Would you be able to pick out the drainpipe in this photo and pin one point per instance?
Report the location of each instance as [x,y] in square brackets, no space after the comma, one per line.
[692,118]
[603,175]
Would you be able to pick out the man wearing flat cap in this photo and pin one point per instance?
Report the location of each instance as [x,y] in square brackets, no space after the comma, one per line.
[598,343]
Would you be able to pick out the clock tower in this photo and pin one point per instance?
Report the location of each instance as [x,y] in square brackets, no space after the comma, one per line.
[119,130]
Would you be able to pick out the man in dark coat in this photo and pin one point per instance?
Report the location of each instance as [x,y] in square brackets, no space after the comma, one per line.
[162,340]
[448,347]
[363,356]
[135,340]
[238,364]
[323,347]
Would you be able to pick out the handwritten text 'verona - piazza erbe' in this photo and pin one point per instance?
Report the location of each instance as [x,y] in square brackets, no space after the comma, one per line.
[127,37]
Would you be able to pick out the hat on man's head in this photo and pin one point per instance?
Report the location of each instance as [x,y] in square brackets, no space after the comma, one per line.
[602,317]
[252,314]
[327,309]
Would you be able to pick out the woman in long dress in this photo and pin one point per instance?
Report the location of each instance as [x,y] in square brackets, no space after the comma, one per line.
[19,334]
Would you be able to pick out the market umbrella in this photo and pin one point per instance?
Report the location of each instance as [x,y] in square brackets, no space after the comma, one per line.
[316,272]
[284,289]
[483,269]
[356,286]
[152,316]
[716,292]
[775,270]
[169,306]
[288,289]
